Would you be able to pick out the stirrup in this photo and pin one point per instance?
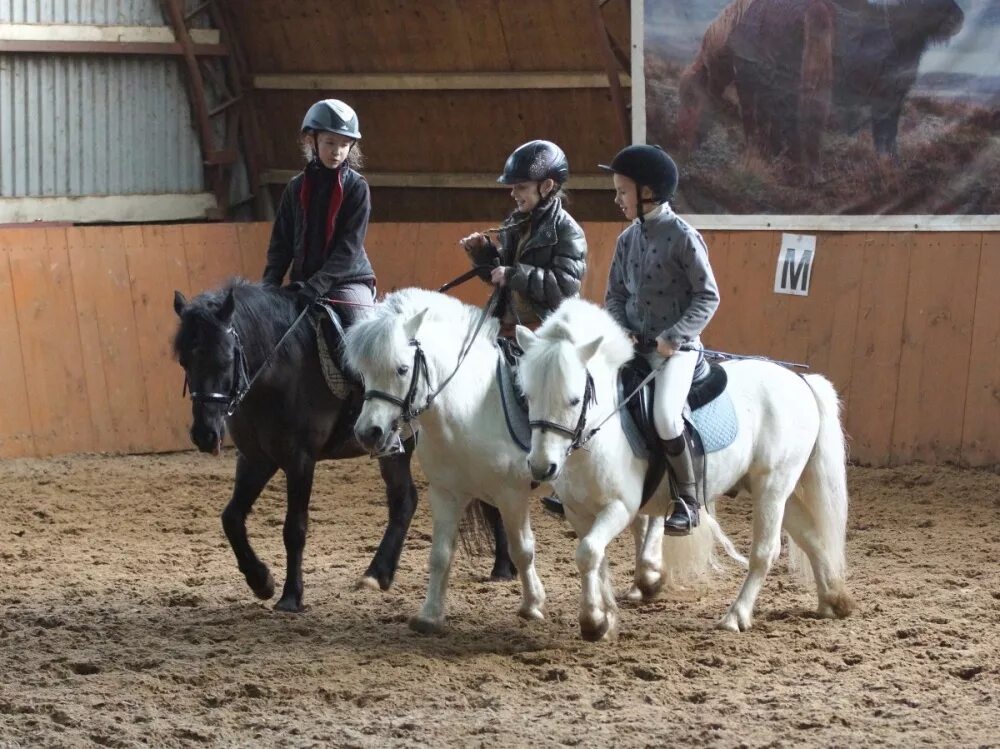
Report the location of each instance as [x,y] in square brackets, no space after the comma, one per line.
[554,505]
[685,513]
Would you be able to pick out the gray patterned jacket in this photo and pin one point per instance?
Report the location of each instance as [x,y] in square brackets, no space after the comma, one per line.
[661,283]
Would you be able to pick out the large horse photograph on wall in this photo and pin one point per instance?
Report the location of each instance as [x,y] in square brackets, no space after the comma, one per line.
[822,107]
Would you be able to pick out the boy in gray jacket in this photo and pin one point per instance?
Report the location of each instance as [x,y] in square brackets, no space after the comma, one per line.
[662,289]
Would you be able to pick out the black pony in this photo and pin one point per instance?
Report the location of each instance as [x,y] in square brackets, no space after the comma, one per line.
[289,420]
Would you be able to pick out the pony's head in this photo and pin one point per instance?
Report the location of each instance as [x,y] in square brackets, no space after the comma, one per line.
[387,351]
[578,344]
[206,347]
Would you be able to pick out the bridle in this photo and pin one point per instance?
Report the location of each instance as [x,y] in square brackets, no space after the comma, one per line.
[238,388]
[576,434]
[408,411]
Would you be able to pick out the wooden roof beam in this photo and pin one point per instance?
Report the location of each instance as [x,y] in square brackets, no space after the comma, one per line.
[454,180]
[434,81]
[38,38]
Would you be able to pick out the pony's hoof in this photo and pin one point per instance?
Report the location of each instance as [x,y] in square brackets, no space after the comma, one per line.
[263,589]
[733,622]
[837,604]
[289,605]
[531,613]
[595,631]
[633,595]
[649,585]
[369,583]
[503,573]
[425,626]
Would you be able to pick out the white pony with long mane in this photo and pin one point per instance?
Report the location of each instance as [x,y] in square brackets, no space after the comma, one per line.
[405,352]
[789,450]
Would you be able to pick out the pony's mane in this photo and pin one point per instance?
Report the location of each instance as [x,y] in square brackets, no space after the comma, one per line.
[262,315]
[375,339]
[579,321]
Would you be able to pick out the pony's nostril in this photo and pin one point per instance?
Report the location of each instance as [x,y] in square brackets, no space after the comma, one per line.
[375,433]
[552,469]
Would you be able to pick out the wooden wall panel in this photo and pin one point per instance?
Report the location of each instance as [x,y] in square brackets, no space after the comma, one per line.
[316,36]
[53,357]
[980,438]
[937,342]
[156,269]
[877,345]
[907,326]
[112,358]
[16,436]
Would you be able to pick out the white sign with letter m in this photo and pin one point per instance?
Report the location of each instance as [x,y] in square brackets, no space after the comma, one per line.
[795,264]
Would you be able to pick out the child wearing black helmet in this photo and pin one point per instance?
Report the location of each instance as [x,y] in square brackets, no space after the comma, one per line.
[661,288]
[323,218]
[543,253]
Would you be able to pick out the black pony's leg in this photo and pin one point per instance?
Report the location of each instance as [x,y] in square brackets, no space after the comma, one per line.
[299,481]
[251,478]
[503,567]
[401,494]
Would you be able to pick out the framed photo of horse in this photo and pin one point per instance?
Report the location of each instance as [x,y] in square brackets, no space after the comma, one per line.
[868,109]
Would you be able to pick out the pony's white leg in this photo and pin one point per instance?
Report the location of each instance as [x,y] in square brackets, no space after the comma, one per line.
[521,544]
[834,600]
[770,491]
[647,532]
[598,614]
[446,511]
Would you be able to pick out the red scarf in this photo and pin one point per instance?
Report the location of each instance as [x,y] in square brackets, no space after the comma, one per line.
[336,198]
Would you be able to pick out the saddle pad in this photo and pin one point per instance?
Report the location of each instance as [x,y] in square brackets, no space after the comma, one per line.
[716,423]
[339,385]
[515,411]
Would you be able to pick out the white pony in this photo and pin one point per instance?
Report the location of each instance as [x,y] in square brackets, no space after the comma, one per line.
[406,351]
[789,449]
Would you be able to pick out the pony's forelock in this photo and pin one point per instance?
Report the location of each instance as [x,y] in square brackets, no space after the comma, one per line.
[375,343]
[579,321]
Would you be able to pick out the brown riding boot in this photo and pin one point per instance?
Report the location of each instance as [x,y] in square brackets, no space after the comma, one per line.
[684,515]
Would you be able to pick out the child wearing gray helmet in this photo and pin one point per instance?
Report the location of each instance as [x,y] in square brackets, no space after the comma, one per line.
[321,223]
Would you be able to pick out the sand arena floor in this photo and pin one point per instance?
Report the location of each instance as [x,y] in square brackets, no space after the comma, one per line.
[125,623]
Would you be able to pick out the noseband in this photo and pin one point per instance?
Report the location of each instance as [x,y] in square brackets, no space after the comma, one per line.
[407,410]
[576,435]
[238,388]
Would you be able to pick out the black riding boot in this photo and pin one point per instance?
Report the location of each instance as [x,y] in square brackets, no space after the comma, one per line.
[684,515]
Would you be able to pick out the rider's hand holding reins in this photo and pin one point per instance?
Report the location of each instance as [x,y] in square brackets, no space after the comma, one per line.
[664,348]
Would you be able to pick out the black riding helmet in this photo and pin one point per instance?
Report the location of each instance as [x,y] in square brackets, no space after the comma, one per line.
[647,166]
[332,116]
[535,161]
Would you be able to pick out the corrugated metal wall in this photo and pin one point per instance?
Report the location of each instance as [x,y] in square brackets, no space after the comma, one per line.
[101,12]
[94,125]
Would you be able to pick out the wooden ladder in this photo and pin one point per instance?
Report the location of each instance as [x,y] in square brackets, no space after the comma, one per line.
[220,106]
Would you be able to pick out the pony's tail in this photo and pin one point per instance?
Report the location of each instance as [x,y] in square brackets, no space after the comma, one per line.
[822,492]
[689,559]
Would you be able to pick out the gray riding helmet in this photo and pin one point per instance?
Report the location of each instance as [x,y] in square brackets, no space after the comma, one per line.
[332,116]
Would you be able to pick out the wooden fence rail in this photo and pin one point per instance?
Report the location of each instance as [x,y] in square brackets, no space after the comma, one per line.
[906,325]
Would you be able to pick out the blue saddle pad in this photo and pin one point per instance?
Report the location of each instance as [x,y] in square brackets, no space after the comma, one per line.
[716,423]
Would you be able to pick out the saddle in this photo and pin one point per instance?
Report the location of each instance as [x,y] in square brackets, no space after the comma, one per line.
[701,420]
[515,407]
[330,342]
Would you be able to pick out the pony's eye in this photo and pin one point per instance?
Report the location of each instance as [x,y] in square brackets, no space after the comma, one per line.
[402,369]
[574,401]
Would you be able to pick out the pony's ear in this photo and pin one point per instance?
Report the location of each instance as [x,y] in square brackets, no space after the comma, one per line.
[525,337]
[588,350]
[225,313]
[411,326]
[180,302]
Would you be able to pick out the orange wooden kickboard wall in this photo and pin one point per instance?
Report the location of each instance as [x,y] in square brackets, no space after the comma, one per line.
[906,325]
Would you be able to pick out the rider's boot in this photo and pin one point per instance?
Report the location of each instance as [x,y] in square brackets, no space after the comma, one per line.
[684,515]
